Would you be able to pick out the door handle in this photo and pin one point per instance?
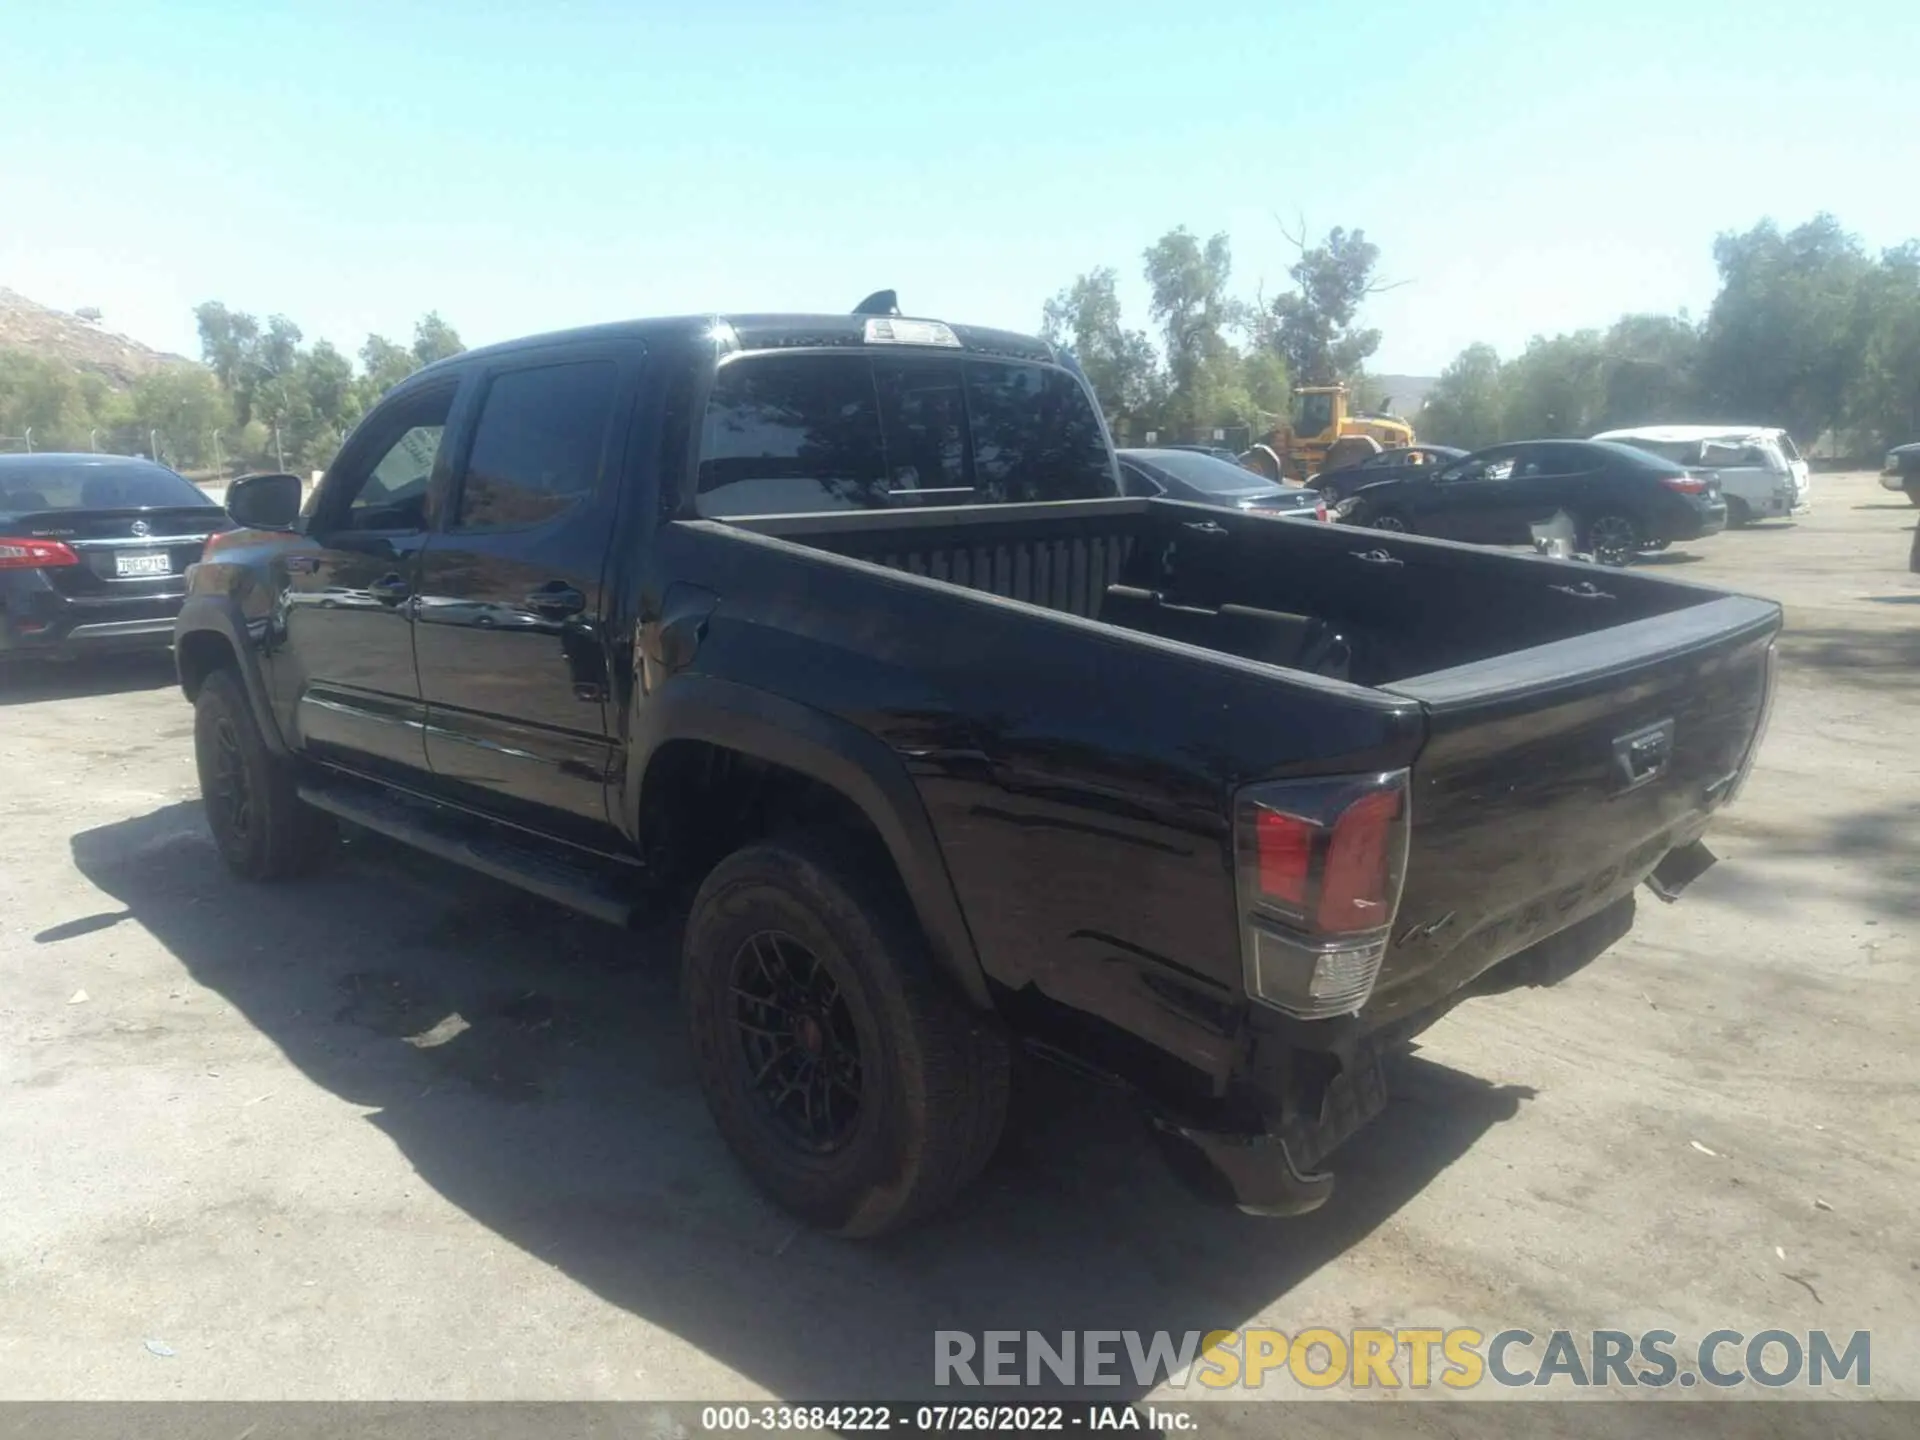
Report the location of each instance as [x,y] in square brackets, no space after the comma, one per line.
[1642,756]
[390,589]
[1205,527]
[556,600]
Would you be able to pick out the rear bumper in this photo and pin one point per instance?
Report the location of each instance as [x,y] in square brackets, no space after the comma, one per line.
[40,623]
[1688,520]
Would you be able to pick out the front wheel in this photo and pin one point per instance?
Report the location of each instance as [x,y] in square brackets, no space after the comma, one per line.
[262,828]
[1613,540]
[856,1088]
[1390,521]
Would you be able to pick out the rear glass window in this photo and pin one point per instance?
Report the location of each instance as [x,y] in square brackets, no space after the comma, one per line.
[95,487]
[1679,452]
[1204,472]
[796,433]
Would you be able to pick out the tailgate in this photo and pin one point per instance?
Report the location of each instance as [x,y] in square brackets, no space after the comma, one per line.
[1555,778]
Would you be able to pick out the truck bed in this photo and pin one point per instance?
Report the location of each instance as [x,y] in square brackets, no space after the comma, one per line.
[1276,591]
[1080,775]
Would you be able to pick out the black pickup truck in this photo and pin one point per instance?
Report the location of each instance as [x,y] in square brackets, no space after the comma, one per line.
[840,632]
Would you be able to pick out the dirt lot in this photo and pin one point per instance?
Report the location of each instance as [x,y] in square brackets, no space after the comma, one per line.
[398,1133]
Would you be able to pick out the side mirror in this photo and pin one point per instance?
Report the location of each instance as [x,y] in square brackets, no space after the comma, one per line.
[264,502]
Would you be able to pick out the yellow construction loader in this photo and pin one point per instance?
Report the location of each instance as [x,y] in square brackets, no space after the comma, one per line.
[1323,434]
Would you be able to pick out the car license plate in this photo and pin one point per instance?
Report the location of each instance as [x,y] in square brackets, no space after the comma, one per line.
[133,564]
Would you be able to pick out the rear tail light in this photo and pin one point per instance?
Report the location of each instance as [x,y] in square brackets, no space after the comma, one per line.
[1320,868]
[32,554]
[1320,510]
[1685,484]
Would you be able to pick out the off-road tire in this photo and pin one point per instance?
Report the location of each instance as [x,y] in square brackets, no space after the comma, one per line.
[933,1069]
[260,825]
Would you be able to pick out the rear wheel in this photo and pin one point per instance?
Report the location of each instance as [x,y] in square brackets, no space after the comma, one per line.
[1912,488]
[1613,539]
[260,825]
[1391,521]
[1739,513]
[856,1089]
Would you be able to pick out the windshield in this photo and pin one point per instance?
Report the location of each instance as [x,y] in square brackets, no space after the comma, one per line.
[791,433]
[106,485]
[1312,414]
[1204,472]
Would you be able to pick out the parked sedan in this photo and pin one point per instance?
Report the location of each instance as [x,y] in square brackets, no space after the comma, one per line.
[1619,500]
[1902,471]
[94,551]
[1208,480]
[1400,463]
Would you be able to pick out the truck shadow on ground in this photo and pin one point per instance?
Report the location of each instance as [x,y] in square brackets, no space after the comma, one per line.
[27,682]
[1869,659]
[531,1067]
[1877,850]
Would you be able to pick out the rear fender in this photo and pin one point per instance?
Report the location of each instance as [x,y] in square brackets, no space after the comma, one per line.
[835,753]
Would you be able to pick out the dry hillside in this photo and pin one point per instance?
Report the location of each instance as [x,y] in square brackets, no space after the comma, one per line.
[52,334]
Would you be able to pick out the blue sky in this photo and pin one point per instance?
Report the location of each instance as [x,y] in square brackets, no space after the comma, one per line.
[1525,168]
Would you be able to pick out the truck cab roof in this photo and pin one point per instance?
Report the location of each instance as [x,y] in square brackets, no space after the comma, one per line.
[758,331]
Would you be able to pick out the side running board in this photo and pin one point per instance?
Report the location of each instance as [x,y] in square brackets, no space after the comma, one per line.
[604,889]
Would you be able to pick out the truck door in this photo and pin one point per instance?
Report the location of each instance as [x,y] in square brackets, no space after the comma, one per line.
[513,664]
[347,607]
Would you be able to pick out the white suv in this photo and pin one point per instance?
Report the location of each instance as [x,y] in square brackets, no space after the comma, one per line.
[1760,471]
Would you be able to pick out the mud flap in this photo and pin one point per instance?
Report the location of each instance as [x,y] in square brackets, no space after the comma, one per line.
[1277,1173]
[1679,868]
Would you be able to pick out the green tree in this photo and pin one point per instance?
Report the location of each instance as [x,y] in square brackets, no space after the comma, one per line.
[1784,339]
[1555,387]
[185,406]
[1190,302]
[1315,328]
[434,339]
[46,398]
[384,364]
[1885,407]
[1466,405]
[1650,368]
[1119,363]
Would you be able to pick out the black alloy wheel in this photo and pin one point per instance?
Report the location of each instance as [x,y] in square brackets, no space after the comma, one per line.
[798,1042]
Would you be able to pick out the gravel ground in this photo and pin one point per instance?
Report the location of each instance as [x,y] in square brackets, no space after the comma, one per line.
[399,1133]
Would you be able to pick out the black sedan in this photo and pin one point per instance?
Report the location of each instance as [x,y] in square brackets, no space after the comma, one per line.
[1902,472]
[1400,463]
[1208,480]
[94,551]
[1618,500]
